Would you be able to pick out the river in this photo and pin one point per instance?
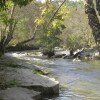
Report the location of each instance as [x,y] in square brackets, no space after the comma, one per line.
[78,80]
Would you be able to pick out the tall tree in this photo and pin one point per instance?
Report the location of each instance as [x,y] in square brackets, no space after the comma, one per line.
[92,9]
[3,3]
[78,33]
[8,22]
[51,19]
[7,27]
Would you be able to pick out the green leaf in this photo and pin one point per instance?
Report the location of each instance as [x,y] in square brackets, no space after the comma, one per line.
[39,21]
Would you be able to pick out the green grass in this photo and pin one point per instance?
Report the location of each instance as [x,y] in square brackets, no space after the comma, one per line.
[39,72]
[13,83]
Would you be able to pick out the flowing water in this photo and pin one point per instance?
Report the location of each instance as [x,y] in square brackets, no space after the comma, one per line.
[78,80]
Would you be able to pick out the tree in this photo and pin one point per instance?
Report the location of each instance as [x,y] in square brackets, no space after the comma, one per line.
[77,33]
[53,23]
[3,3]
[48,11]
[26,25]
[8,22]
[92,9]
[7,27]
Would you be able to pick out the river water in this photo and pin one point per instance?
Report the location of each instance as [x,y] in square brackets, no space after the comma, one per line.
[78,80]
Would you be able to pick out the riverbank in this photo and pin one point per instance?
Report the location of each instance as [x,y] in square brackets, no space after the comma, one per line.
[21,80]
[78,80]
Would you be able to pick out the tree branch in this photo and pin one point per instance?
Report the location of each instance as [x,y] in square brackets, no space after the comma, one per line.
[54,14]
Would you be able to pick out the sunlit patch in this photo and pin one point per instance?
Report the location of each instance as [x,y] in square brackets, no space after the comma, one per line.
[88,89]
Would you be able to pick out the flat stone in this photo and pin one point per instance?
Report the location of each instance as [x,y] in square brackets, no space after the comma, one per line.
[18,93]
[26,78]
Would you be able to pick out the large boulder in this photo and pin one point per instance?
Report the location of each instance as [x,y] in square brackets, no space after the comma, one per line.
[26,78]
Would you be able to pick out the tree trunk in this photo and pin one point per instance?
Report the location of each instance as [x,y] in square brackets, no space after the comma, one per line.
[2,50]
[6,36]
[93,20]
[92,11]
